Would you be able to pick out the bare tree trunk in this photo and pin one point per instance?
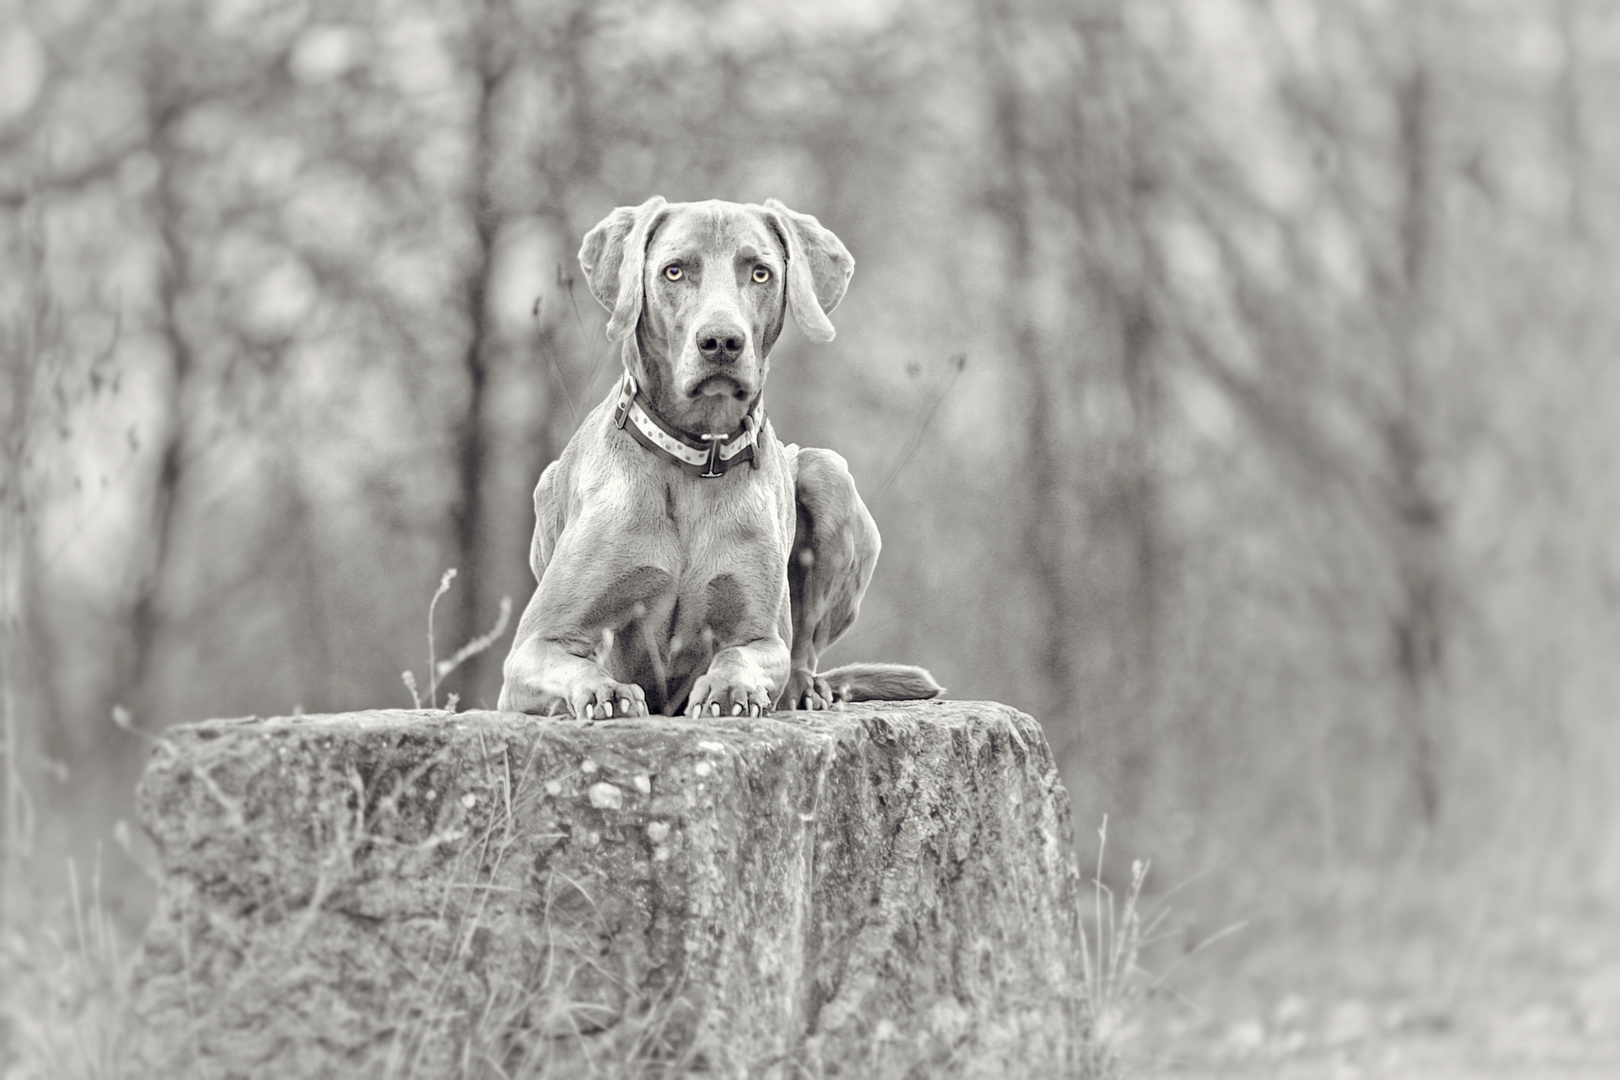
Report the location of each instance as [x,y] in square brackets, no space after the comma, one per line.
[32,360]
[311,644]
[1110,188]
[1418,626]
[136,684]
[1046,533]
[490,512]
[18,735]
[472,441]
[1091,541]
[1418,520]
[1571,116]
[573,153]
[1140,504]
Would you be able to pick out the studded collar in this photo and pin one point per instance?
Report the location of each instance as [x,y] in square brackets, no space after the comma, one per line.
[710,458]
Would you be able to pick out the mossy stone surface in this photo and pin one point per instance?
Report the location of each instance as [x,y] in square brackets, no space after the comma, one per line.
[883,891]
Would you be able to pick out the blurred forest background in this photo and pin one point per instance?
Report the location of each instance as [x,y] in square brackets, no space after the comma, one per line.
[1234,383]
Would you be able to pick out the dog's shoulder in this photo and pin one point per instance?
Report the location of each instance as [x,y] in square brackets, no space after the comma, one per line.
[790,454]
[778,461]
[598,459]
[568,480]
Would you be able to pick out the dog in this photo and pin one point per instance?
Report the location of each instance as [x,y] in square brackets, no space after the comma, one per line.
[687,561]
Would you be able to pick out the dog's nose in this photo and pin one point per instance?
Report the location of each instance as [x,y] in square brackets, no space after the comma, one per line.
[721,342]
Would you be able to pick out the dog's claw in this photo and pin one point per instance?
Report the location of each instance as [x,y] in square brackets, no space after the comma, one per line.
[736,710]
[714,708]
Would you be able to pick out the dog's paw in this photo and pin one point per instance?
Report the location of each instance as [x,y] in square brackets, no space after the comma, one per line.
[715,695]
[522,697]
[603,699]
[807,690]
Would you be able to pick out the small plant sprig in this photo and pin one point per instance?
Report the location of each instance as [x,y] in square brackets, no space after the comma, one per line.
[1108,961]
[439,670]
[1115,982]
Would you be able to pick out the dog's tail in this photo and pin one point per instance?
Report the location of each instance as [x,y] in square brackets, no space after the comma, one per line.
[881,682]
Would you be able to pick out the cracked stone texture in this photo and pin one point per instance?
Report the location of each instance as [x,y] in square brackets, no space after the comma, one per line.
[883,891]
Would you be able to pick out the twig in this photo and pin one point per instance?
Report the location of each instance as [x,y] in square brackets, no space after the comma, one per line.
[433,681]
[551,357]
[914,443]
[477,644]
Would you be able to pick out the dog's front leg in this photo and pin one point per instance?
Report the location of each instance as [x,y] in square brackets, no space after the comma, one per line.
[553,667]
[546,677]
[743,680]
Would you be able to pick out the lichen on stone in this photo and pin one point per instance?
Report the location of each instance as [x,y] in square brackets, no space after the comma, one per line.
[884,891]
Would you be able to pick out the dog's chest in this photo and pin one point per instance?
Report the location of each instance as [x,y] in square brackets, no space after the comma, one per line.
[724,544]
[729,538]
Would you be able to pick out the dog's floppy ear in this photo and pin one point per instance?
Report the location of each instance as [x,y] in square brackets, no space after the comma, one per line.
[613,257]
[818,268]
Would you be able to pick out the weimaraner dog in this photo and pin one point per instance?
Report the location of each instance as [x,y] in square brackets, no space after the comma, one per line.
[688,562]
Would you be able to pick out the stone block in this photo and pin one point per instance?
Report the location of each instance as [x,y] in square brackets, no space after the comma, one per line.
[883,891]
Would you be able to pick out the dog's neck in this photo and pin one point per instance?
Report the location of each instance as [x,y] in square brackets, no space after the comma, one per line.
[708,455]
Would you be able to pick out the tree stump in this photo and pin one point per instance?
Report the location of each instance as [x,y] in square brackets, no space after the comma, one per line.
[883,891]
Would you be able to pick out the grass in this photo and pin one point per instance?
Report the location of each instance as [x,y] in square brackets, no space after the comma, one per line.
[65,1002]
[1113,981]
[66,974]
[65,999]
[62,994]
[457,1010]
[440,670]
[577,1018]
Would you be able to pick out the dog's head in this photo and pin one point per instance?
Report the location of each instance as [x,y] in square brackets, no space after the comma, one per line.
[700,291]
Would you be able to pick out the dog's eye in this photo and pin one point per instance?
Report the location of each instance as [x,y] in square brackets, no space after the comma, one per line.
[673,272]
[762,274]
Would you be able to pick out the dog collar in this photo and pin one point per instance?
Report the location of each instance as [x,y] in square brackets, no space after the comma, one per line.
[710,458]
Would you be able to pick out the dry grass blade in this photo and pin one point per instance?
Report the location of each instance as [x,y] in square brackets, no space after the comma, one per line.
[1110,950]
[477,644]
[433,664]
[439,670]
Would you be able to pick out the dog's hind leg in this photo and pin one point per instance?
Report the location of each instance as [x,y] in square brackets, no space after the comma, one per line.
[835,548]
